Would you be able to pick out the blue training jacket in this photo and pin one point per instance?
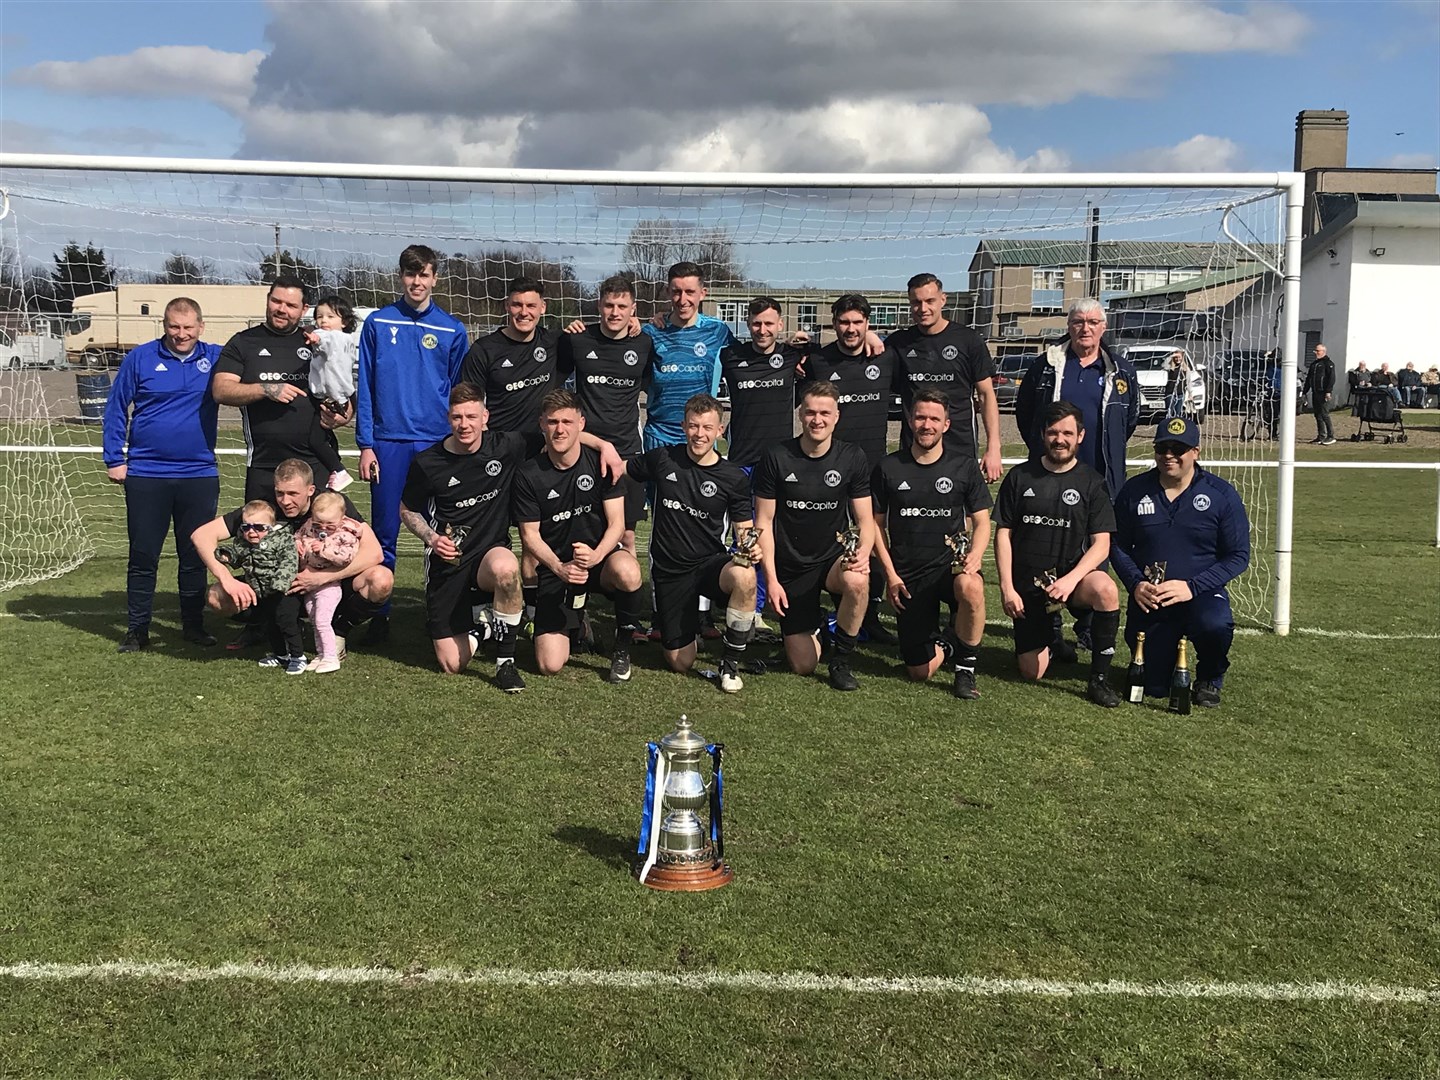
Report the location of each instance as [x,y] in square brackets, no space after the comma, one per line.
[687,362]
[1203,536]
[164,406]
[409,361]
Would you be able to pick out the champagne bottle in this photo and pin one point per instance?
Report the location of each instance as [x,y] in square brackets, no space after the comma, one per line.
[1180,683]
[1137,671]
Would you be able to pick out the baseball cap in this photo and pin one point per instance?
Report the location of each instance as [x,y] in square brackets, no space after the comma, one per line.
[1178,429]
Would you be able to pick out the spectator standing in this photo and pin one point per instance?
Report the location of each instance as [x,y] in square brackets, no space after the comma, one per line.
[159,445]
[1320,385]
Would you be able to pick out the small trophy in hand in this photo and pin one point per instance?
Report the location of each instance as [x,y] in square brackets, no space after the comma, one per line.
[745,551]
[456,537]
[1043,581]
[1155,573]
[959,544]
[849,542]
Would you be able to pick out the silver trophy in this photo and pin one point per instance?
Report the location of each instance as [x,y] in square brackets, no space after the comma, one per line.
[683,835]
[1043,581]
[849,541]
[1155,573]
[959,544]
[457,534]
[745,551]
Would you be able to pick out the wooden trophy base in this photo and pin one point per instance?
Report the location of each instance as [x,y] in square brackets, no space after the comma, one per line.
[695,878]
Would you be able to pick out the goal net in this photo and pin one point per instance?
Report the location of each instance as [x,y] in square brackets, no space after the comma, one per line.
[1190,269]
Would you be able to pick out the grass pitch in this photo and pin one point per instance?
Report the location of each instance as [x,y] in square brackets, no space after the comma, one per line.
[183,805]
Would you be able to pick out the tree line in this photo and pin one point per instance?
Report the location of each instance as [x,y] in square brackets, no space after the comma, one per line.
[472,285]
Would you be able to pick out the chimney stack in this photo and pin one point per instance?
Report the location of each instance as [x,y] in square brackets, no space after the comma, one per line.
[1321,136]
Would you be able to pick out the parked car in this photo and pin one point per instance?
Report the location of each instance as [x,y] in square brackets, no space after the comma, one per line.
[1154,368]
[1009,373]
[1242,377]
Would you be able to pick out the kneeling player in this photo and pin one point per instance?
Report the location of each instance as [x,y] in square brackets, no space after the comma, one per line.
[930,503]
[1054,521]
[1181,537]
[465,481]
[571,523]
[808,492]
[695,491]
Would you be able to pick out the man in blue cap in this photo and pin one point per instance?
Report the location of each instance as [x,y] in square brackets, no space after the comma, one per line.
[1181,536]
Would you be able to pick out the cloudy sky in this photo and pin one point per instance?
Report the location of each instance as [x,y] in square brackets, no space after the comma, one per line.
[898,85]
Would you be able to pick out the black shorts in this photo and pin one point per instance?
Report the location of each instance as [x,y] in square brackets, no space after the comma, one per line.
[1035,629]
[677,596]
[553,614]
[451,595]
[918,622]
[803,614]
[634,502]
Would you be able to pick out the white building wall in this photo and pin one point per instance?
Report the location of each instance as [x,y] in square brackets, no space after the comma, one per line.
[1393,297]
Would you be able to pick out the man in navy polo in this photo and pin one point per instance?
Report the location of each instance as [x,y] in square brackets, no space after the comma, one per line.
[1187,523]
[161,406]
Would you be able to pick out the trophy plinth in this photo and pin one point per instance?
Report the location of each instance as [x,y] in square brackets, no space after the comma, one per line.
[665,877]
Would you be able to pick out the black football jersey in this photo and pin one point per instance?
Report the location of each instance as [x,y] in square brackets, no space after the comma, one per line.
[568,503]
[924,504]
[609,375]
[812,499]
[516,376]
[274,430]
[1051,517]
[864,384]
[762,399]
[470,492]
[693,504]
[953,360]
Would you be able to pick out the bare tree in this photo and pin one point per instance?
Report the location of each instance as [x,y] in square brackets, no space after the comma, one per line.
[656,244]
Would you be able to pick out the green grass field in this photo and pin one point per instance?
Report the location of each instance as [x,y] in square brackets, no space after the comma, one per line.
[181,805]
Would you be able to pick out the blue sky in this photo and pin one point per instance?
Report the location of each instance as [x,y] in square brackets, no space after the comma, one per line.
[1121,86]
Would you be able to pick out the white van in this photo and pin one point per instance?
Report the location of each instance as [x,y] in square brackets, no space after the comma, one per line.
[1153,364]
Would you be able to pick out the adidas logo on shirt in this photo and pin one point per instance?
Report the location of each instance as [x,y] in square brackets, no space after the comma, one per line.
[904,486]
[506,363]
[910,355]
[453,483]
[1145,506]
[791,479]
[591,355]
[673,477]
[161,366]
[264,352]
[553,494]
[1029,493]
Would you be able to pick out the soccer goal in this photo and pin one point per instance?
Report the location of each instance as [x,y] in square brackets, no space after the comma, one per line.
[1196,270]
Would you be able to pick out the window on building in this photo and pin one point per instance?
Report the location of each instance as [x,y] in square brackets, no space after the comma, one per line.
[1113,281]
[1151,279]
[144,309]
[731,311]
[808,316]
[1047,277]
[885,315]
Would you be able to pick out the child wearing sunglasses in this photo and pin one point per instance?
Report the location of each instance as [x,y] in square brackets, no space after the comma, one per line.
[264,554]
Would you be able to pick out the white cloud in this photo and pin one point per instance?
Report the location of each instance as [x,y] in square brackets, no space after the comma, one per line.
[156,71]
[1199,153]
[1407,161]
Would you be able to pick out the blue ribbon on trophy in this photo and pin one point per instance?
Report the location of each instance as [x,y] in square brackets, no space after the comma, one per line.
[647,811]
[717,799]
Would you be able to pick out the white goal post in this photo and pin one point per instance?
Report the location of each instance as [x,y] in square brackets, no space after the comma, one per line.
[1214,257]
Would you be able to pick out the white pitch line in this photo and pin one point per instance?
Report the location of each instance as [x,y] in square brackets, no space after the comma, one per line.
[175,971]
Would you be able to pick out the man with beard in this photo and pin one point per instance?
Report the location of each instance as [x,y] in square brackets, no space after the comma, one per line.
[1054,521]
[927,496]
